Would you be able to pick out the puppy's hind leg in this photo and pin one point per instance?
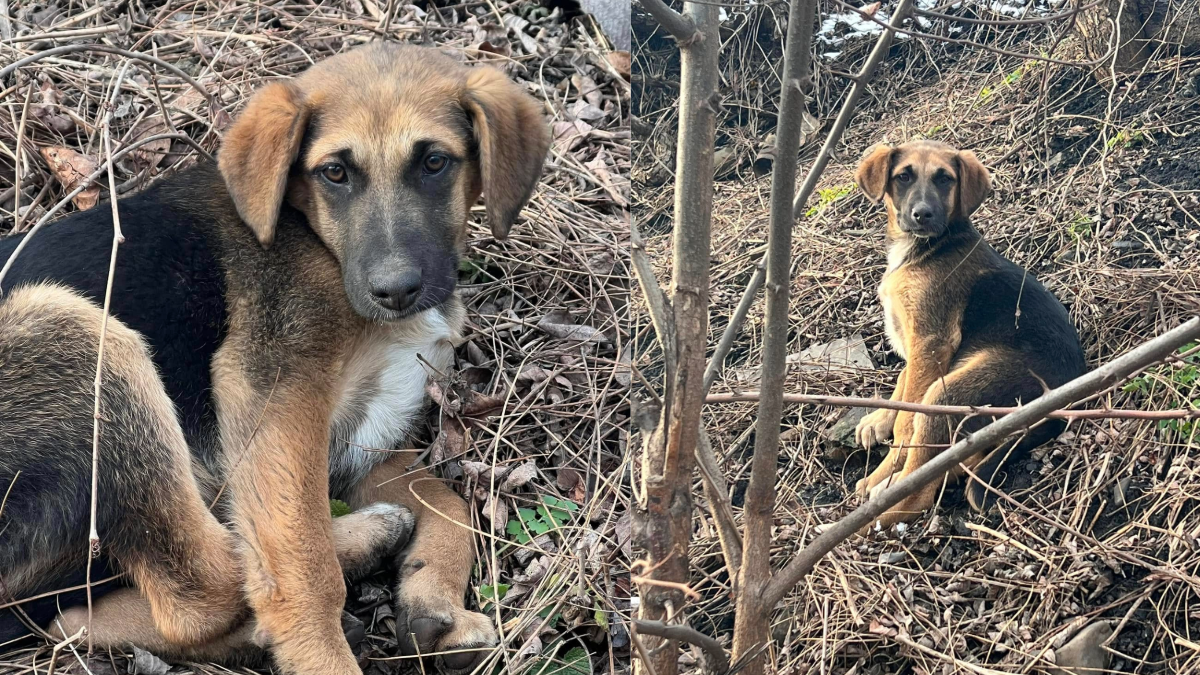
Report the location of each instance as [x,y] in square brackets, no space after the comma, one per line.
[151,519]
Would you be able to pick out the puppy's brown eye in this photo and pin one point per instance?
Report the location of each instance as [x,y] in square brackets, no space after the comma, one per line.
[334,173]
[904,177]
[435,163]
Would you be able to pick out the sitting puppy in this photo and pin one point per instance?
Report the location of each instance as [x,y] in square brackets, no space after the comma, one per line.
[269,319]
[974,328]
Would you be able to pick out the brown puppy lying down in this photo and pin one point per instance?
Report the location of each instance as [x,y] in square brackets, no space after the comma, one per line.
[270,315]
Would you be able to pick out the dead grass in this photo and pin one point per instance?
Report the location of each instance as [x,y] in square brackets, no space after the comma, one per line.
[1097,195]
[548,307]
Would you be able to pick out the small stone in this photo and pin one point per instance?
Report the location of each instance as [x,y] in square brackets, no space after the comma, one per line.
[1083,654]
[842,431]
[844,353]
[145,663]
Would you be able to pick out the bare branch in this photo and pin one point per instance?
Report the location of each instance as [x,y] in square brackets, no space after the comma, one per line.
[717,361]
[752,623]
[656,300]
[715,489]
[931,409]
[665,503]
[1122,367]
[117,240]
[716,661]
[682,28]
[717,494]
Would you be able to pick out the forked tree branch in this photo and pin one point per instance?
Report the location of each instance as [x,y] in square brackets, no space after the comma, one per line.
[715,489]
[716,661]
[664,509]
[1114,371]
[682,28]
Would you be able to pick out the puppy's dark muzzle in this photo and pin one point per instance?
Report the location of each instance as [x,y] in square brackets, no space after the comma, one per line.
[924,219]
[396,292]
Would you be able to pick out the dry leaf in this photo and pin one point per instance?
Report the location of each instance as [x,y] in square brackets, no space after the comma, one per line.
[452,441]
[615,185]
[570,135]
[582,109]
[559,325]
[520,476]
[572,484]
[496,510]
[621,62]
[624,530]
[532,373]
[148,156]
[71,168]
[480,405]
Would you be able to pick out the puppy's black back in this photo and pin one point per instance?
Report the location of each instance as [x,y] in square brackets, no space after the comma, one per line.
[168,284]
[1008,307]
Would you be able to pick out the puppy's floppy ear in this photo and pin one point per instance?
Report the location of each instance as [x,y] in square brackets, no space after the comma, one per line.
[513,140]
[873,171]
[974,182]
[259,150]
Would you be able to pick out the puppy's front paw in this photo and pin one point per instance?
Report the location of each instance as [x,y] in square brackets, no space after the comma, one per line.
[875,428]
[431,621]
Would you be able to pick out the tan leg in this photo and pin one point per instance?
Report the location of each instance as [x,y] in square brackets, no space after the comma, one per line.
[995,377]
[123,618]
[437,566]
[880,425]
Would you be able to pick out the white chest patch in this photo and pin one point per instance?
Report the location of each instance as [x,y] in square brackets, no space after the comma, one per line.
[891,325]
[897,255]
[383,389]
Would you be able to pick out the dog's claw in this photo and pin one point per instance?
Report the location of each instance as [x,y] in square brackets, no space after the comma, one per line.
[874,428]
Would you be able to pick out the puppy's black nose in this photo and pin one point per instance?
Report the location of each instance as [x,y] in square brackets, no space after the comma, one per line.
[397,291]
[922,213]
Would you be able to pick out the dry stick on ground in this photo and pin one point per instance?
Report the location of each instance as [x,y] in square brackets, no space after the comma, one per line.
[665,508]
[1118,369]
[118,238]
[751,627]
[69,49]
[930,409]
